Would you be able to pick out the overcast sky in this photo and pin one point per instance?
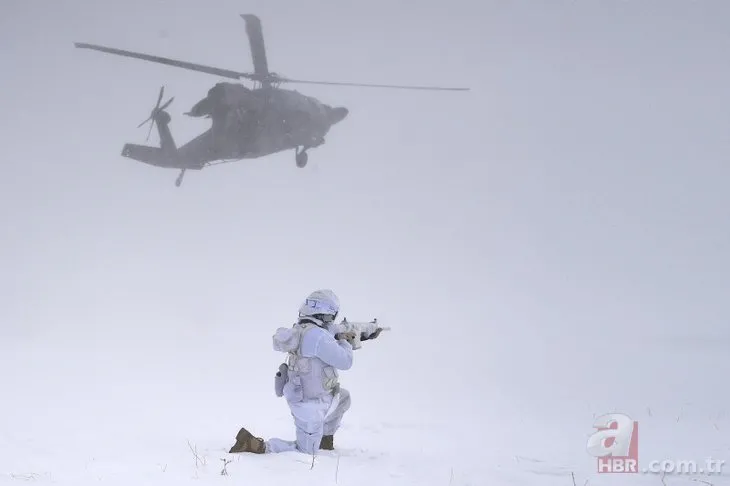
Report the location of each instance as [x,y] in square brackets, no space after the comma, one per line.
[564,222]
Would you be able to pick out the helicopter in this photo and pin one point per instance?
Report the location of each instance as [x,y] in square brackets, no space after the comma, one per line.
[246,122]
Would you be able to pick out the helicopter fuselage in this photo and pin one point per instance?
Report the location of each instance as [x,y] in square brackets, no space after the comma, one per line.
[250,123]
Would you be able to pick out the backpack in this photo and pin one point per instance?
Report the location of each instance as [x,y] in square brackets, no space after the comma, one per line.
[288,339]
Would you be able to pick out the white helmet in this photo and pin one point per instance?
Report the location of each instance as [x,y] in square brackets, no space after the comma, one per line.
[321,304]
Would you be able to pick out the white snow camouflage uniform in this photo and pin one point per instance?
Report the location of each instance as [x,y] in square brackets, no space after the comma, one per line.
[311,388]
[313,393]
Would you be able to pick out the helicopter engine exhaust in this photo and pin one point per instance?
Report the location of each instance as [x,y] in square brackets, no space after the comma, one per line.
[223,97]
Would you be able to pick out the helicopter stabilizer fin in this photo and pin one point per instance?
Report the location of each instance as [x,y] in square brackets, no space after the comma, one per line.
[149,155]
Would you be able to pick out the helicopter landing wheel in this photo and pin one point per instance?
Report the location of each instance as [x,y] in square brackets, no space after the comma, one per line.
[302,158]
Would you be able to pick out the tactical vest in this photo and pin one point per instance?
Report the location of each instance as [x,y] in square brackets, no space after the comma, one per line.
[289,340]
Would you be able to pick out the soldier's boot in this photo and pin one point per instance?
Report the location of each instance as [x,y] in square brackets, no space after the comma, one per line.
[327,443]
[246,442]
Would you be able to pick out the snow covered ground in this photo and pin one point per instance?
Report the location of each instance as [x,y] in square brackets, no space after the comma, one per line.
[111,412]
[547,248]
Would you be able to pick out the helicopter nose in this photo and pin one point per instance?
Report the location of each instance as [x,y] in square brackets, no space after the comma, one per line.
[337,114]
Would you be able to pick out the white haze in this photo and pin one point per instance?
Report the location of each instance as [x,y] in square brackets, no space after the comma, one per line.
[550,246]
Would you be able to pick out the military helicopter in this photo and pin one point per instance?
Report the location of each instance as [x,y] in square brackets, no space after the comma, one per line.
[247,123]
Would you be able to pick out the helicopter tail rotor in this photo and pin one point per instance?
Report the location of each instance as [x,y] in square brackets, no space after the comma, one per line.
[157,112]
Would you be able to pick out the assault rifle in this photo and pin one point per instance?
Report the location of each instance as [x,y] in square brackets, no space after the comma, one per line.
[362,331]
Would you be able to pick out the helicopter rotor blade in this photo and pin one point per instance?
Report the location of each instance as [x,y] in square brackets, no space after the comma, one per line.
[149,132]
[226,73]
[159,97]
[167,103]
[256,42]
[260,63]
[366,85]
[142,124]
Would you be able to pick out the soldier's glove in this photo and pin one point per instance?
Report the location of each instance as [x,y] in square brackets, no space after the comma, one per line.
[347,336]
[364,337]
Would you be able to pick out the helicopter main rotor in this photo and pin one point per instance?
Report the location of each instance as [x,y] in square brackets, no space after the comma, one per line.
[261,72]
